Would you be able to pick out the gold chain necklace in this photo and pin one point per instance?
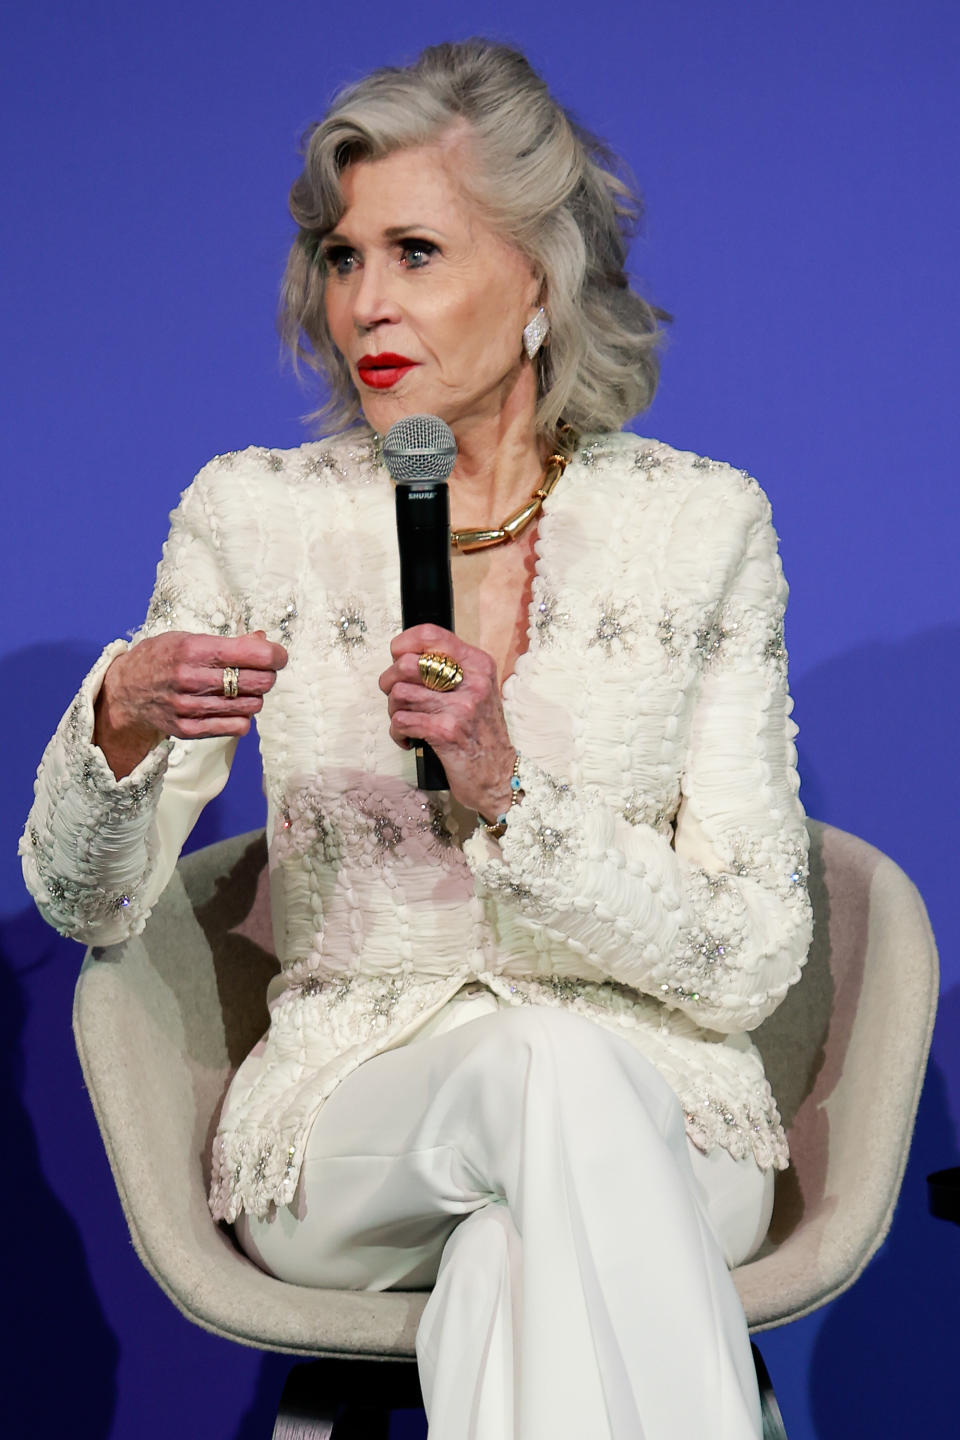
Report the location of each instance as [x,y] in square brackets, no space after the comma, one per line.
[466,541]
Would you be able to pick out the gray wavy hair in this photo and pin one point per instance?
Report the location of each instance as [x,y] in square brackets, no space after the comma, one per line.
[540,180]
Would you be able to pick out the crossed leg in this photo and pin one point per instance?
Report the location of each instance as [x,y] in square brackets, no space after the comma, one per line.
[534,1169]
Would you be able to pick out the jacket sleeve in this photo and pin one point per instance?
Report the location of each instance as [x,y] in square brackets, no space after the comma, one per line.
[97,852]
[718,923]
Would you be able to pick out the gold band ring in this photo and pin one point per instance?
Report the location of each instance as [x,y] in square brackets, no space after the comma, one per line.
[439,672]
[231,682]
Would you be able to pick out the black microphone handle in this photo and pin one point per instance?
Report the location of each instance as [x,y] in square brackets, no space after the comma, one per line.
[426,585]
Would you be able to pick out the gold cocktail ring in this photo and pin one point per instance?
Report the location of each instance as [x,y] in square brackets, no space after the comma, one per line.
[439,672]
[231,682]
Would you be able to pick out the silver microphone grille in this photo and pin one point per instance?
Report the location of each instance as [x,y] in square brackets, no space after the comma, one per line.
[420,447]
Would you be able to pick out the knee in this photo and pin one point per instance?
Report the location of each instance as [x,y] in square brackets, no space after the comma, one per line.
[481,1248]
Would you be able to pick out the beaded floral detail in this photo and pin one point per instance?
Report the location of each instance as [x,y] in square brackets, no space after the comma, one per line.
[548,617]
[748,483]
[647,461]
[169,608]
[88,903]
[775,650]
[640,808]
[783,863]
[433,824]
[744,1127]
[304,827]
[387,832]
[164,604]
[320,464]
[349,627]
[285,621]
[668,633]
[614,628]
[276,616]
[588,455]
[381,824]
[550,839]
[711,637]
[708,946]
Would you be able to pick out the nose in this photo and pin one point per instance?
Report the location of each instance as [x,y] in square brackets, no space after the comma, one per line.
[374,302]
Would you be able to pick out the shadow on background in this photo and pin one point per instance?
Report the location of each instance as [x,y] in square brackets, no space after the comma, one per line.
[59,1327]
[885,1359]
[877,755]
[56,1329]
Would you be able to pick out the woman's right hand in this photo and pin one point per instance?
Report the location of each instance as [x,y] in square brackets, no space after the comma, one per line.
[173,685]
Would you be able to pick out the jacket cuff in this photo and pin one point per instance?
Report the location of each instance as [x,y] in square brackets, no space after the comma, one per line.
[84,848]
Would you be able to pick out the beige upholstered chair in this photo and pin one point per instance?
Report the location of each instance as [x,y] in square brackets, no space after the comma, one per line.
[162,1021]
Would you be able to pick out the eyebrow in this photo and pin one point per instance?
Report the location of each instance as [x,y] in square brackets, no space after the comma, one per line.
[392,232]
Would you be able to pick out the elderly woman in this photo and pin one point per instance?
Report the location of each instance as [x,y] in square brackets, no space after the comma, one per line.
[508,1053]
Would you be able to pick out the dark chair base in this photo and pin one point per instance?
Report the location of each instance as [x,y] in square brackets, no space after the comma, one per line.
[773,1426]
[352,1399]
[345,1399]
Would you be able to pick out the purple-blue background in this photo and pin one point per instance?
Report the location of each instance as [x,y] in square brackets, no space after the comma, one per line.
[799,166]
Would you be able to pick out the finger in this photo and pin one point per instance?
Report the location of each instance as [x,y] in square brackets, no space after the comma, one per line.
[250,652]
[435,727]
[416,697]
[202,706]
[388,679]
[406,670]
[421,639]
[208,729]
[205,680]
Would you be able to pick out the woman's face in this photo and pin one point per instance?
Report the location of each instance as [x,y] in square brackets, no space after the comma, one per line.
[424,301]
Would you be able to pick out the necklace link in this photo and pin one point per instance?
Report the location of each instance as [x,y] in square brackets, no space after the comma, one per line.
[466,541]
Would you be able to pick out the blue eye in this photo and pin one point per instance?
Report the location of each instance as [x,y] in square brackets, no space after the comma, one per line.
[340,259]
[417,253]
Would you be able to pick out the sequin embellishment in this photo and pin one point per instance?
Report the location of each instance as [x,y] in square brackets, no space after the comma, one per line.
[710,638]
[350,628]
[612,631]
[548,616]
[647,460]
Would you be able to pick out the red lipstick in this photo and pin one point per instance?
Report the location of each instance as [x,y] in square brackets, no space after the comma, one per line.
[382,371]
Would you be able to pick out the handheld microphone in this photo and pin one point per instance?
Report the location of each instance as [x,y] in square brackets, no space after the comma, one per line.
[419,452]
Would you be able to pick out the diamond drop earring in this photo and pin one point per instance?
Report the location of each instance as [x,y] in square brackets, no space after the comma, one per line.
[535,332]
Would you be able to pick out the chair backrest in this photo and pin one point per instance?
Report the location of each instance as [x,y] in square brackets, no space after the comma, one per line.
[845,1055]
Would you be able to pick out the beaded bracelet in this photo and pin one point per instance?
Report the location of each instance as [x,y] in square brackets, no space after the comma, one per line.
[498,827]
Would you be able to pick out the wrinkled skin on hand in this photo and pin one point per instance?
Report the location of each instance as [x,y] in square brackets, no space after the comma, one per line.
[465,726]
[173,685]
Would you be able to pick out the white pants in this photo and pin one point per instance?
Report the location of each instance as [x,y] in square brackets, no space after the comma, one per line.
[534,1169]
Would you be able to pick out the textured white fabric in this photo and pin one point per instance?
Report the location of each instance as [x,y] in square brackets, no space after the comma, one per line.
[653,877]
[542,1164]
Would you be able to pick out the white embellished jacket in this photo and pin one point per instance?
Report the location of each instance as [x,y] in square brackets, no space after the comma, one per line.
[653,877]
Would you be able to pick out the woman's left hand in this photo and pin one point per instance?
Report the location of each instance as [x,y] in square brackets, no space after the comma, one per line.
[465,726]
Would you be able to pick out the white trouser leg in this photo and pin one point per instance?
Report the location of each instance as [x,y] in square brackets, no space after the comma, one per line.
[466,1345]
[628,1325]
